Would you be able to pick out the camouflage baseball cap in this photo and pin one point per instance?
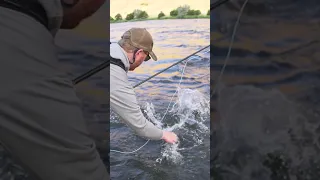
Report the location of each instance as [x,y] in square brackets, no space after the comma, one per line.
[140,38]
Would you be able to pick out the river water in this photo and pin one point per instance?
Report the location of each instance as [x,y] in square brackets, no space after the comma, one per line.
[265,112]
[189,117]
[184,87]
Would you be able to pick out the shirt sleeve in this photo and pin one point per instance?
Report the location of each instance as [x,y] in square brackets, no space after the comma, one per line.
[123,101]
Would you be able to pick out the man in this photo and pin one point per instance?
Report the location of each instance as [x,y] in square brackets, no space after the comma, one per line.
[41,120]
[132,49]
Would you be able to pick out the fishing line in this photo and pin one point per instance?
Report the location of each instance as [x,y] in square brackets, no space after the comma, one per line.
[217,4]
[123,152]
[170,66]
[214,5]
[105,64]
[226,60]
[130,152]
[230,47]
[176,91]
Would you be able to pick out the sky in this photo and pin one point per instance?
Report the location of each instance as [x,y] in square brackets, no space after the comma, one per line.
[153,7]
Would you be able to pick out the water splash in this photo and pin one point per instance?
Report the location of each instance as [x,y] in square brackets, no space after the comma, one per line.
[263,135]
[190,101]
[150,113]
[190,114]
[170,153]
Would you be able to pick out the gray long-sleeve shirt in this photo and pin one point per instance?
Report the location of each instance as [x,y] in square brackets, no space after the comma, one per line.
[123,98]
[54,12]
[40,114]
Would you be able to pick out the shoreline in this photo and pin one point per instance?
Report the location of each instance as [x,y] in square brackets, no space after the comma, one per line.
[163,18]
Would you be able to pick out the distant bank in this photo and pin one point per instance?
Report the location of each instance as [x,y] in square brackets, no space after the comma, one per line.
[153,7]
[141,10]
[186,17]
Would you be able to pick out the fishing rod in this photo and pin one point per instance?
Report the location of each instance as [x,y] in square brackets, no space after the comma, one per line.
[169,67]
[107,62]
[212,7]
[91,72]
[217,4]
[123,152]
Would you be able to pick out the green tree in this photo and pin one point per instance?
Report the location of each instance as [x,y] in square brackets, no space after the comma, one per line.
[174,13]
[111,18]
[160,15]
[139,14]
[183,10]
[208,13]
[191,12]
[143,15]
[197,12]
[136,13]
[118,17]
[130,16]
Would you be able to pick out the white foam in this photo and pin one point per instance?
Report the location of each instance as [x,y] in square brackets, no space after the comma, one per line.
[192,109]
[256,122]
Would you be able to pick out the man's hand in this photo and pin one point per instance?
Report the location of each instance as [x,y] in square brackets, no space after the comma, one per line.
[169,137]
[72,16]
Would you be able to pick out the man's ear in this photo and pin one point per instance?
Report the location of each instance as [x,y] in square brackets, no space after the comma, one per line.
[72,16]
[69,3]
[68,22]
[140,50]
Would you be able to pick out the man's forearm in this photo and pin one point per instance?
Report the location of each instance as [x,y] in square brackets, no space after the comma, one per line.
[123,102]
[136,121]
[149,131]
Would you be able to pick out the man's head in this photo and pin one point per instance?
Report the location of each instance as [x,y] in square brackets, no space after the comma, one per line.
[138,44]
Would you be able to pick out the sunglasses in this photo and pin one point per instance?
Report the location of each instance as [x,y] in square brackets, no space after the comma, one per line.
[148,56]
[145,52]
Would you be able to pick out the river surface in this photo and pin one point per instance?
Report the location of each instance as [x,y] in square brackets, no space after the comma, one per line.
[184,89]
[189,117]
[265,112]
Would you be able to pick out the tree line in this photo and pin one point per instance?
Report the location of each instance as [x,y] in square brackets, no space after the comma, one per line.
[180,12]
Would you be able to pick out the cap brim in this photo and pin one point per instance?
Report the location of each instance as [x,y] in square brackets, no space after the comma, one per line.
[153,56]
